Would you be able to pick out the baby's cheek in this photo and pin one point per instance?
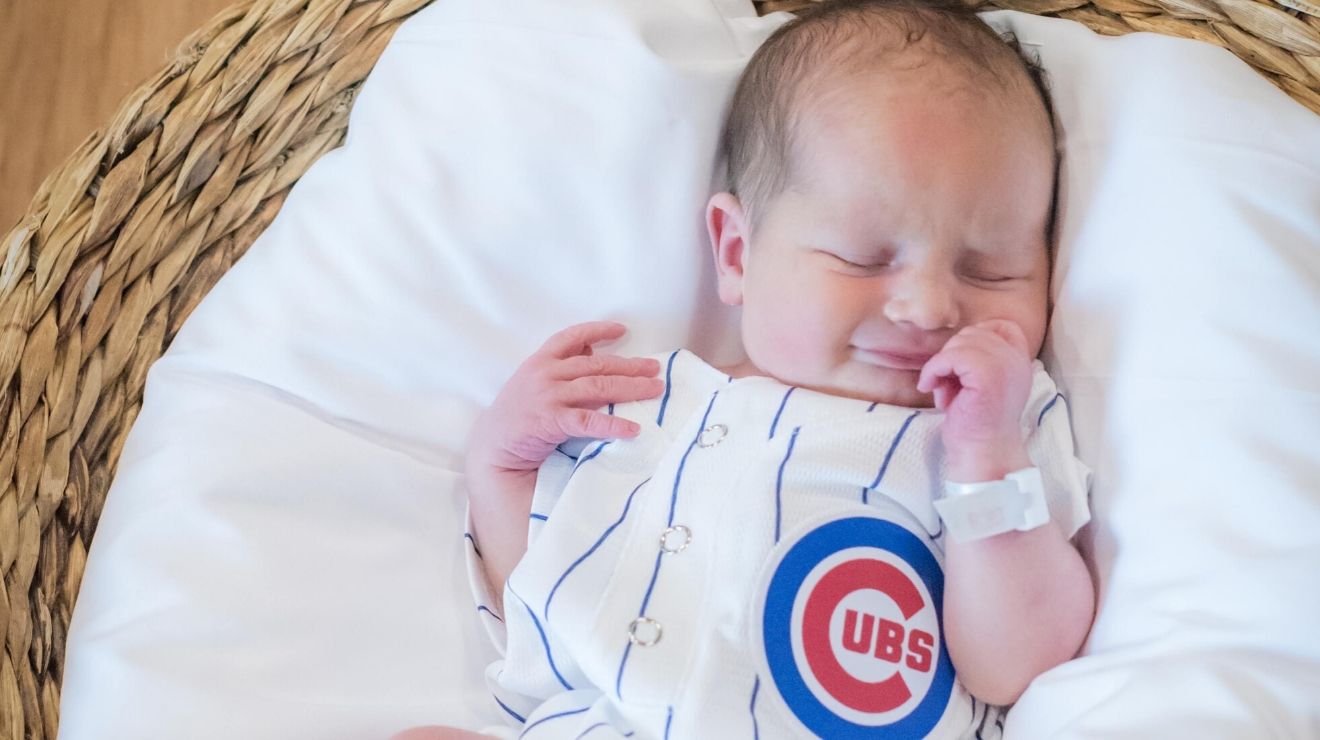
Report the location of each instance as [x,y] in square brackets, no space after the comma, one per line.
[775,340]
[808,332]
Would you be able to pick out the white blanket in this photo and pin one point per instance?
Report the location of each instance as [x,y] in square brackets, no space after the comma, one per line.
[280,556]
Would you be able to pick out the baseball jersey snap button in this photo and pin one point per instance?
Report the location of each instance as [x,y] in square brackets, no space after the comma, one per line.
[712,435]
[675,538]
[644,632]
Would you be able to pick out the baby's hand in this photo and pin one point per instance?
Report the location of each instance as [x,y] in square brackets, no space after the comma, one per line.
[981,379]
[555,394]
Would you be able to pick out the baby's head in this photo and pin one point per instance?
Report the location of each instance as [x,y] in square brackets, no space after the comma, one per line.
[891,180]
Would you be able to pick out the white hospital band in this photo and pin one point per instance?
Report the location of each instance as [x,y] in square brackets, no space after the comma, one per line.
[974,511]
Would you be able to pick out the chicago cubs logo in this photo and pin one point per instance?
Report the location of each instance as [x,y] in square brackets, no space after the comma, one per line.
[850,628]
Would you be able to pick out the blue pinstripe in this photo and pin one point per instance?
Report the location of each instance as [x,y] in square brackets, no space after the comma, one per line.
[512,713]
[541,517]
[756,729]
[779,482]
[984,716]
[664,402]
[545,642]
[655,572]
[888,456]
[468,536]
[583,460]
[599,541]
[775,424]
[627,649]
[568,713]
[1049,406]
[589,729]
[483,608]
[682,463]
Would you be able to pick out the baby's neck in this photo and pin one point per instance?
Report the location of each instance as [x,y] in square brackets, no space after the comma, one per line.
[743,369]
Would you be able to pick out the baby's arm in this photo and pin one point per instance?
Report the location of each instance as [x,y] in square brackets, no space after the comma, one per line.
[553,396]
[1019,603]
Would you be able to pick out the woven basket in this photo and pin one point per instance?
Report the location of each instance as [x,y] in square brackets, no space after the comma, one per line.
[122,241]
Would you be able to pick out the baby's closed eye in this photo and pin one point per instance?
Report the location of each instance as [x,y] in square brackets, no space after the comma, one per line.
[988,276]
[992,270]
[867,263]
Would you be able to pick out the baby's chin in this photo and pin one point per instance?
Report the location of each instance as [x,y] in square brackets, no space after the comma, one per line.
[862,381]
[905,397]
[880,385]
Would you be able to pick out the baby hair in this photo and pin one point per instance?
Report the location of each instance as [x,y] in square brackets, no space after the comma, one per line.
[841,37]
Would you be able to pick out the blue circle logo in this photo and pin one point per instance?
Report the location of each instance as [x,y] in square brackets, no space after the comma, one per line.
[851,630]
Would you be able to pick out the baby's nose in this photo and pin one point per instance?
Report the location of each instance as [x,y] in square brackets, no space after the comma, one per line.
[924,301]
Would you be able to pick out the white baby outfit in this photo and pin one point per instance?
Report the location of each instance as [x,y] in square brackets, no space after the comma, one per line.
[762,561]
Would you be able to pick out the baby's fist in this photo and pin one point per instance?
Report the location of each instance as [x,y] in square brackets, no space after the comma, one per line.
[556,394]
[981,379]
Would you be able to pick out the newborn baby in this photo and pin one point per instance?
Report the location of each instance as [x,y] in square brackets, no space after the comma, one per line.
[864,527]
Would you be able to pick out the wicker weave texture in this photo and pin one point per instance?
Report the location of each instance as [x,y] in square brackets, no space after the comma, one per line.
[117,248]
[123,240]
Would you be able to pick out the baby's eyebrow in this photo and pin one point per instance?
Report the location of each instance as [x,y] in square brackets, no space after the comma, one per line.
[1004,256]
[1014,247]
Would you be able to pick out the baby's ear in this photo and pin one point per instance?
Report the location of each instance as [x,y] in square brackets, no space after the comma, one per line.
[726,221]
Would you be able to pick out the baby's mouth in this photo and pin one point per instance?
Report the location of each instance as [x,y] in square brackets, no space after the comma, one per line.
[896,359]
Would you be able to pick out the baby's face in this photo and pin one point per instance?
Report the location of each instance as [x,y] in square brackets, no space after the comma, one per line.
[915,210]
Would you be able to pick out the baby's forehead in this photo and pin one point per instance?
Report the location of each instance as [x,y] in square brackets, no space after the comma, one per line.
[910,99]
[855,69]
[875,64]
[948,56]
[819,67]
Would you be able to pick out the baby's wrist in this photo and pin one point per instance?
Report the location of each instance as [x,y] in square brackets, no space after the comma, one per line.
[984,460]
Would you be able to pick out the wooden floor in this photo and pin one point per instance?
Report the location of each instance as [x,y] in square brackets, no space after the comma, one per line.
[66,65]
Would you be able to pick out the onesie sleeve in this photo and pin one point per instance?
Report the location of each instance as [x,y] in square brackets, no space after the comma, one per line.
[483,594]
[537,682]
[557,470]
[1048,429]
[551,480]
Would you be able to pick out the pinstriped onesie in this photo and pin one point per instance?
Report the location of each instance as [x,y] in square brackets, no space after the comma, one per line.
[761,561]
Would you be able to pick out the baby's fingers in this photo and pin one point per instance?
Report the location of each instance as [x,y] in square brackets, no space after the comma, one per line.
[597,390]
[936,368]
[596,425]
[577,339]
[1009,331]
[945,390]
[586,365]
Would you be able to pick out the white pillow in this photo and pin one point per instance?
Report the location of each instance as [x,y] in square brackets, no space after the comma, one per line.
[1186,337]
[281,555]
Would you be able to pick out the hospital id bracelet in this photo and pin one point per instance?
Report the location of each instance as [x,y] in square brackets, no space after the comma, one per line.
[974,511]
